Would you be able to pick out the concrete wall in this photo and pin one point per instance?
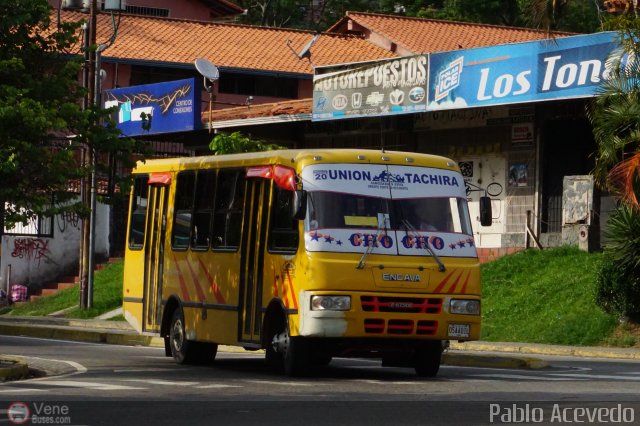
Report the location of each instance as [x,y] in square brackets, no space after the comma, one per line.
[35,261]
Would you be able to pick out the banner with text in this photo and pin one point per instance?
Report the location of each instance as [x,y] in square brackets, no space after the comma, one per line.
[568,67]
[393,86]
[168,107]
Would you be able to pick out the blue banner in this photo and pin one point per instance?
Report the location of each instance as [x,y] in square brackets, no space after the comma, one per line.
[568,67]
[167,107]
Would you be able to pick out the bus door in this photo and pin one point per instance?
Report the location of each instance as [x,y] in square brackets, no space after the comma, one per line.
[252,250]
[154,250]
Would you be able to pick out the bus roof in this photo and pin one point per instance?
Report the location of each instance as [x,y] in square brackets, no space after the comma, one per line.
[296,158]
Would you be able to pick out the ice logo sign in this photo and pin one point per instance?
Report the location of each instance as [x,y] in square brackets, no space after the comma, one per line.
[449,78]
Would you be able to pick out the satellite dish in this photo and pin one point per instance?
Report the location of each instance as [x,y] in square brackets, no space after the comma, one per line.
[306,50]
[207,69]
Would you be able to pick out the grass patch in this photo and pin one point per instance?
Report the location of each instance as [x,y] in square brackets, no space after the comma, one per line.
[107,296]
[544,297]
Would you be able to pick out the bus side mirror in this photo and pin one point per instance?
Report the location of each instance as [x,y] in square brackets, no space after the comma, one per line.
[299,204]
[486,216]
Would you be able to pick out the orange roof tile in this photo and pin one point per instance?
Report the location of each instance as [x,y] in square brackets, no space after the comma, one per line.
[430,35]
[285,109]
[178,41]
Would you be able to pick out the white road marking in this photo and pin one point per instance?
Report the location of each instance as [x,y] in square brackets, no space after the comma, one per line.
[147,370]
[215,386]
[267,382]
[523,377]
[597,376]
[384,382]
[88,385]
[162,382]
[20,390]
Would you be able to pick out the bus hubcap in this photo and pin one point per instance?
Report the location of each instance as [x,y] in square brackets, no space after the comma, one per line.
[177,338]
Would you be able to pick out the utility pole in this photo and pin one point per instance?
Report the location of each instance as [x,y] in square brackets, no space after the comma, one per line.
[88,185]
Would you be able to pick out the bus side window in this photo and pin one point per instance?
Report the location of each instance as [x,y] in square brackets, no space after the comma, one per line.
[182,209]
[202,214]
[283,233]
[227,218]
[138,214]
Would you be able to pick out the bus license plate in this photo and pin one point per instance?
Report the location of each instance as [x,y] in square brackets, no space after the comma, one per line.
[459,330]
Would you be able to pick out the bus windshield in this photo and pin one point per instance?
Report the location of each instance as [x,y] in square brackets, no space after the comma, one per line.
[426,214]
[387,209]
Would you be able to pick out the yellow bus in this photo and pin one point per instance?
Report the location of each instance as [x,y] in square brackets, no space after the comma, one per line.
[307,254]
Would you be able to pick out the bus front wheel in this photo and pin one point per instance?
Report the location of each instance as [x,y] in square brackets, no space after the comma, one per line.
[427,358]
[296,357]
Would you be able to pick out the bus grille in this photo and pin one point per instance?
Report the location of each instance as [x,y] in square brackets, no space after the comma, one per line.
[400,326]
[413,305]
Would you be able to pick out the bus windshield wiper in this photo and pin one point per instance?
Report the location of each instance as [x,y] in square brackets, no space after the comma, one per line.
[382,227]
[408,227]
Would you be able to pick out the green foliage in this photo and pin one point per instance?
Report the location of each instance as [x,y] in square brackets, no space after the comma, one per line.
[618,280]
[543,297]
[236,142]
[615,112]
[42,122]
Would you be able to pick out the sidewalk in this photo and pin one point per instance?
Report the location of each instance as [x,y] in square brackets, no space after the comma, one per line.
[470,354]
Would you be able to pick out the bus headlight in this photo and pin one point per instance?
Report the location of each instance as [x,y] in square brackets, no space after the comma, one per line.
[465,307]
[330,303]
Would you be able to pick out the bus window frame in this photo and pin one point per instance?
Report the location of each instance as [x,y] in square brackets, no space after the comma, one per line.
[241,172]
[138,247]
[192,245]
[272,212]
[174,211]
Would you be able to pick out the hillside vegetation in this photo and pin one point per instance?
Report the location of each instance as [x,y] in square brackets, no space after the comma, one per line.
[544,297]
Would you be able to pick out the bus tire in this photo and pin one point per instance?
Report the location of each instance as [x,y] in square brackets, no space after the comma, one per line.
[203,352]
[427,359]
[296,357]
[187,351]
[273,359]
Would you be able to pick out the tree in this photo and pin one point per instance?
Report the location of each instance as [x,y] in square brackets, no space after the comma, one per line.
[42,121]
[615,117]
[236,142]
[303,14]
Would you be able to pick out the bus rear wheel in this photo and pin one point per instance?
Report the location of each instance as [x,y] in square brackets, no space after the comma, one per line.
[427,358]
[188,351]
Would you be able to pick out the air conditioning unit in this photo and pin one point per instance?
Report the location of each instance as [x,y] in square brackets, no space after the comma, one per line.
[76,4]
[84,5]
[115,5]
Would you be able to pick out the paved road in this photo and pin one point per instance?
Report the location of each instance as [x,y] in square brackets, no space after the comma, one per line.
[349,391]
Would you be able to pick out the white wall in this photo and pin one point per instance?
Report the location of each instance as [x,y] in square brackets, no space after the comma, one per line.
[39,260]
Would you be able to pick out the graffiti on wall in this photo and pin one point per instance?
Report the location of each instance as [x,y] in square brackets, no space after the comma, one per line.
[30,249]
[68,220]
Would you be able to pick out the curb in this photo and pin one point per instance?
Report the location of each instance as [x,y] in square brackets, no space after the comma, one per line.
[12,368]
[114,337]
[492,361]
[557,350]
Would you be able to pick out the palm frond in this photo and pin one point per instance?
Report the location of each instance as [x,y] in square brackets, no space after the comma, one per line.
[625,179]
